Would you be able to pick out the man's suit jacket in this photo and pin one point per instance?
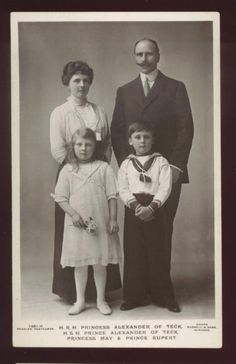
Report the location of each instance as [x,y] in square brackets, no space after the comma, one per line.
[168,110]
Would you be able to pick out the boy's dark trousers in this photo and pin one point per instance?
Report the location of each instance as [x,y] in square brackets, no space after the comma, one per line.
[146,266]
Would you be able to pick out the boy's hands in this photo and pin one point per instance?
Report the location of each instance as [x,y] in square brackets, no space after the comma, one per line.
[77,220]
[144,213]
[112,226]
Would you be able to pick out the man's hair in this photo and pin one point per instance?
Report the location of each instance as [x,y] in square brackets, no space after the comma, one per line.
[140,125]
[149,40]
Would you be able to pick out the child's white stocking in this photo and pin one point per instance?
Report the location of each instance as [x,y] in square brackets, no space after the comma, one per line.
[81,276]
[100,276]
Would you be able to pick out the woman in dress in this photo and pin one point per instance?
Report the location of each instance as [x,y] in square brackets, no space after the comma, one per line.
[65,119]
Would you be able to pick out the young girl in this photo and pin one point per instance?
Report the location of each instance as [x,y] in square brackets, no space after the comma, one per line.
[144,186]
[86,191]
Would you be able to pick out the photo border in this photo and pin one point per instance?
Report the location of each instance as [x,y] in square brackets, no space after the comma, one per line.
[227,353]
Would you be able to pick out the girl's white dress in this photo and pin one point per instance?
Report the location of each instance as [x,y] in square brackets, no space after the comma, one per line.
[88,190]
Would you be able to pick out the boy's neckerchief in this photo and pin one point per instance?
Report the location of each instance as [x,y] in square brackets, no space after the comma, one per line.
[142,169]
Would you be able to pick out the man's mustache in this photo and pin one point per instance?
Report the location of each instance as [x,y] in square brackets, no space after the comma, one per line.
[142,64]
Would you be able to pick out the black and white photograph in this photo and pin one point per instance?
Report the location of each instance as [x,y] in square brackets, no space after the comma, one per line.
[116,179]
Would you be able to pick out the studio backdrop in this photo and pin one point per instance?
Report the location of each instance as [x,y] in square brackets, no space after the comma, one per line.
[186,55]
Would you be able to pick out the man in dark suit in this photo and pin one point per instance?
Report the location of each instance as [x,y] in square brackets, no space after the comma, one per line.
[163,102]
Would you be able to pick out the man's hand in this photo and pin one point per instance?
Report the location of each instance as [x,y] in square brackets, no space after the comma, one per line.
[175,174]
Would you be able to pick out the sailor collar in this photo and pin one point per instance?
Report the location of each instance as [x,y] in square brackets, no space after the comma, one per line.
[143,169]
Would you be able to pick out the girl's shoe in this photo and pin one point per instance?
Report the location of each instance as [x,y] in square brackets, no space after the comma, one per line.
[104,308]
[77,308]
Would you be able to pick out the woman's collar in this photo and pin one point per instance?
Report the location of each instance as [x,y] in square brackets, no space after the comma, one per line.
[75,101]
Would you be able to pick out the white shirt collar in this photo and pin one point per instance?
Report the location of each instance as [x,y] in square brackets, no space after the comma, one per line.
[150,76]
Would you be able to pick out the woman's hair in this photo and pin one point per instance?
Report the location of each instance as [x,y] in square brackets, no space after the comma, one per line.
[139,125]
[71,68]
[85,133]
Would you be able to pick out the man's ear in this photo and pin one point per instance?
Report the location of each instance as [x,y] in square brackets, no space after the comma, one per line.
[130,141]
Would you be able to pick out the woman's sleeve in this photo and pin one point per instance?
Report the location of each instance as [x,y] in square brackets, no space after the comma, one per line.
[165,182]
[57,136]
[111,188]
[62,189]
[106,135]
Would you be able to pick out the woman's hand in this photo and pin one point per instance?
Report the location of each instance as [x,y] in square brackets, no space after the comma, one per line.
[144,213]
[77,220]
[112,226]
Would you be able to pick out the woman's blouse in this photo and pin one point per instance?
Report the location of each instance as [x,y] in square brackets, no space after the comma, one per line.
[68,117]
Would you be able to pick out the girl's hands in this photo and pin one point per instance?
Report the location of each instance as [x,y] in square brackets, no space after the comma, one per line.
[144,213]
[77,220]
[112,226]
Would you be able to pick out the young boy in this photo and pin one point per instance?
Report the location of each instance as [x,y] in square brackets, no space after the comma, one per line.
[145,181]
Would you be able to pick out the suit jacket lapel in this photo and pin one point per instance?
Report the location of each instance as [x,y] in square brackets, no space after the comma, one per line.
[137,91]
[155,91]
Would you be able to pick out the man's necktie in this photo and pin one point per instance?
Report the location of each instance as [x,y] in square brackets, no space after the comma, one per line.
[146,87]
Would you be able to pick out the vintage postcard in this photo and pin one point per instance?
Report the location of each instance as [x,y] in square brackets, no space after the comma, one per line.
[87,69]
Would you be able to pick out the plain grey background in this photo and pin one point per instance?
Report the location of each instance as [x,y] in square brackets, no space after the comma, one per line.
[186,55]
